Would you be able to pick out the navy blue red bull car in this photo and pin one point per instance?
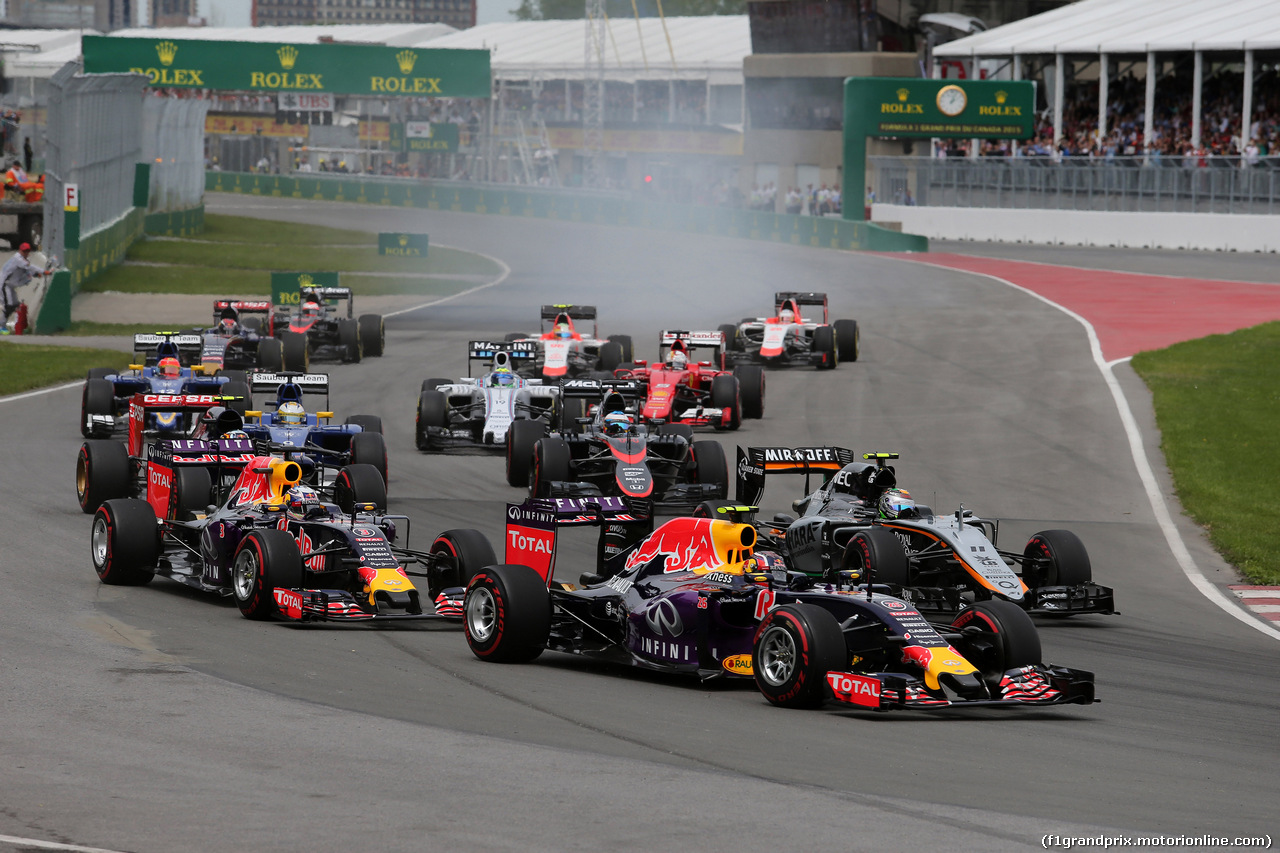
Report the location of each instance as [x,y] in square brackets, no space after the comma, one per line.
[695,597]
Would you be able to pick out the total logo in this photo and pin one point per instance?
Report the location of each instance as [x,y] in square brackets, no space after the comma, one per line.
[855,689]
[520,541]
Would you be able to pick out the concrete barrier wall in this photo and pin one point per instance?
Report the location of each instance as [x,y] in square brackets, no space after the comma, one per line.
[812,231]
[1207,231]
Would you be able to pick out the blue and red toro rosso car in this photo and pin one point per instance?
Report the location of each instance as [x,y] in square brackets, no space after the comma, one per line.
[695,597]
[221,519]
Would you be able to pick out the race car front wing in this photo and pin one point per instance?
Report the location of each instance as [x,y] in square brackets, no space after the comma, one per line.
[1042,684]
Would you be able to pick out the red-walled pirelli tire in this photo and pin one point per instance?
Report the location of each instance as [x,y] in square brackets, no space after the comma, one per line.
[795,647]
[102,473]
[266,559]
[1059,557]
[467,551]
[507,614]
[125,542]
[877,551]
[359,484]
[998,636]
[751,381]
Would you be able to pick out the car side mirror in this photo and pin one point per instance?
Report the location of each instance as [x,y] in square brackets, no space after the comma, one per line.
[783,518]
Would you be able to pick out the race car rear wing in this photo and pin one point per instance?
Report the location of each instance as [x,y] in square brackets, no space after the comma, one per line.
[516,351]
[573,312]
[241,307]
[532,527]
[143,404]
[801,300]
[305,383]
[692,341]
[327,295]
[595,388]
[755,463]
[146,348]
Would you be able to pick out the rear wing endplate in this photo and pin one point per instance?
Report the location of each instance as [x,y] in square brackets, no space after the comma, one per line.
[755,463]
[532,525]
[189,346]
[691,340]
[573,312]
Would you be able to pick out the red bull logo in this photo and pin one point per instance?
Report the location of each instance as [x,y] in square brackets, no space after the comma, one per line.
[252,487]
[687,544]
[918,655]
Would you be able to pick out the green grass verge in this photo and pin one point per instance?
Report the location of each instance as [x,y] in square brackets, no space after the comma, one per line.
[213,282]
[1217,401]
[246,229]
[24,367]
[84,328]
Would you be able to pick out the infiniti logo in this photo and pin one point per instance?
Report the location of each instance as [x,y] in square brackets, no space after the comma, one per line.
[663,618]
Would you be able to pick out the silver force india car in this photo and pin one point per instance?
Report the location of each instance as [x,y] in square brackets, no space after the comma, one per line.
[858,521]
[791,337]
[478,412]
[700,597]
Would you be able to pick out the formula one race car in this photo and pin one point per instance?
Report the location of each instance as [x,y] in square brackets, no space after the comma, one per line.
[859,522]
[679,390]
[316,328]
[320,448]
[167,363]
[614,455]
[479,412]
[695,597]
[237,339]
[563,350]
[787,338]
[221,519]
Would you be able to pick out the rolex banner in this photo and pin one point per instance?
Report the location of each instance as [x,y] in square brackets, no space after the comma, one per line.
[286,287]
[344,69]
[431,136]
[404,245]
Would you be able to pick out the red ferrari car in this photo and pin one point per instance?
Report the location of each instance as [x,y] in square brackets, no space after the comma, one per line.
[679,390]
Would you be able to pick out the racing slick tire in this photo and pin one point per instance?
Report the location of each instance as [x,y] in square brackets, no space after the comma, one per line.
[468,551]
[98,398]
[824,348]
[624,341]
[710,466]
[507,614]
[550,465]
[295,353]
[795,647]
[847,339]
[266,559]
[370,448]
[373,334]
[434,383]
[368,423]
[683,430]
[359,484]
[102,473]
[751,389]
[726,394]
[571,408]
[876,551]
[349,340]
[237,389]
[192,491]
[101,372]
[271,355]
[998,636]
[125,542]
[521,438]
[433,411]
[235,376]
[1059,558]
[611,357]
[730,333]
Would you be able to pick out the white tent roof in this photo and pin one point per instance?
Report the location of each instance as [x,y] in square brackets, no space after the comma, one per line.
[392,35]
[705,47]
[1131,26]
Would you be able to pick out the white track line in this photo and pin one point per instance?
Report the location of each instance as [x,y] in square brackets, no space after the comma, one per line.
[13,398]
[1159,506]
[51,845]
[506,271]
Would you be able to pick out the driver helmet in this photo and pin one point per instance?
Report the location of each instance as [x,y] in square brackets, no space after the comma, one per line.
[787,315]
[291,414]
[895,502]
[169,367]
[228,326]
[617,423]
[562,330]
[311,310]
[304,502]
[502,378]
[235,434]
[678,360]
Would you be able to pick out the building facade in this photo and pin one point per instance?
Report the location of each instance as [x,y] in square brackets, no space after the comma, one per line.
[272,13]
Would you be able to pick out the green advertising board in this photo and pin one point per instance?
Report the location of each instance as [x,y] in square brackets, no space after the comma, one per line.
[404,245]
[430,136]
[286,286]
[915,108]
[344,69]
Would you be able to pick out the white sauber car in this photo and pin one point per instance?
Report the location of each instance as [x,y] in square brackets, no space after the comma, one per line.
[478,411]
